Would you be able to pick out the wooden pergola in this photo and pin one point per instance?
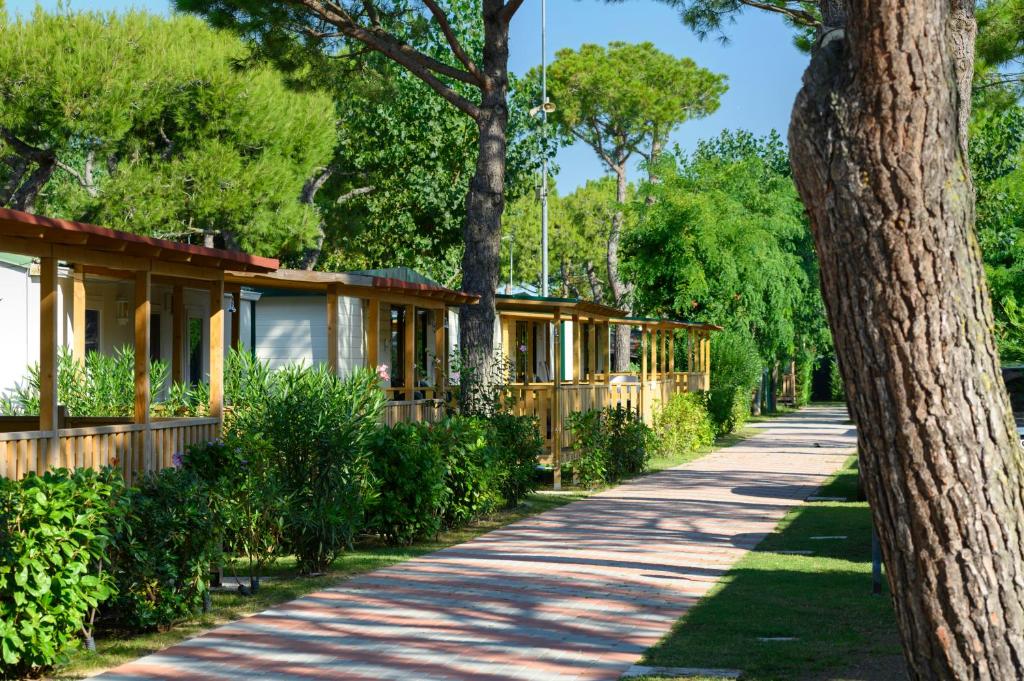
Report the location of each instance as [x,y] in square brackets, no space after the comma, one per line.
[658,351]
[143,444]
[375,292]
[552,399]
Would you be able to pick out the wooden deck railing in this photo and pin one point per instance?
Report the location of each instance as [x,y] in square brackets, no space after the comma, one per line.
[111,444]
[413,411]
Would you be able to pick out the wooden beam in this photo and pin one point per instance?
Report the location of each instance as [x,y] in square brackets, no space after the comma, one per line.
[78,315]
[371,333]
[507,339]
[410,350]
[556,408]
[178,323]
[530,357]
[664,351]
[440,352]
[577,345]
[236,316]
[672,352]
[643,355]
[217,350]
[592,351]
[143,309]
[48,358]
[332,328]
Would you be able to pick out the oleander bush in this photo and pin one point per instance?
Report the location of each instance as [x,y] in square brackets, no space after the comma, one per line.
[471,479]
[56,532]
[609,445]
[163,551]
[683,425]
[318,429]
[515,445]
[409,475]
[736,370]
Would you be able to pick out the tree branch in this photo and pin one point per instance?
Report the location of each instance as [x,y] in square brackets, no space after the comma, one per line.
[509,10]
[453,41]
[798,16]
[84,179]
[354,193]
[419,64]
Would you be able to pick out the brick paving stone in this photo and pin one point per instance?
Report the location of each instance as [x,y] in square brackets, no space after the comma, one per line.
[574,594]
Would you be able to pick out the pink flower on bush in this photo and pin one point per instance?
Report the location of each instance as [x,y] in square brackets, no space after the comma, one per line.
[383,373]
[456,376]
[522,348]
[178,459]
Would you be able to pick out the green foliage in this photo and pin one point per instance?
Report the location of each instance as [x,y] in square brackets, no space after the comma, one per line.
[836,385]
[624,96]
[158,131]
[683,425]
[710,17]
[471,481]
[609,445]
[590,446]
[163,551]
[736,371]
[515,447]
[105,386]
[55,535]
[722,236]
[409,472]
[318,427]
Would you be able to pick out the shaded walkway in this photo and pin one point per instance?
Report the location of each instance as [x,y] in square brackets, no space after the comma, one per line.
[575,593]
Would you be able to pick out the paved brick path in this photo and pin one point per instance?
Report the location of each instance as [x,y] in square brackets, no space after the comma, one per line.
[575,593]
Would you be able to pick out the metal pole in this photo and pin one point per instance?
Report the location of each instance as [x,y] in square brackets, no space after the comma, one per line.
[544,165]
[511,262]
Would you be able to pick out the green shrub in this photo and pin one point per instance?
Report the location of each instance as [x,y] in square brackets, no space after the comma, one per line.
[683,425]
[409,472]
[630,442]
[105,386]
[471,483]
[55,532]
[591,447]
[318,429]
[164,551]
[735,371]
[835,380]
[246,494]
[516,445]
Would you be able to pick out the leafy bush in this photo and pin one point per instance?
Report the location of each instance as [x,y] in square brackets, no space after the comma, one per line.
[246,494]
[55,532]
[735,371]
[318,429]
[410,474]
[471,483]
[683,425]
[609,445]
[591,447]
[516,445]
[163,551]
[105,386]
[835,381]
[630,442]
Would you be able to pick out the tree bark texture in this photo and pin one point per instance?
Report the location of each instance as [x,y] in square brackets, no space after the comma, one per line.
[879,156]
[485,200]
[620,290]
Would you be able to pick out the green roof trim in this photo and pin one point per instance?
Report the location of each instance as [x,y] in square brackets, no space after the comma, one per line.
[405,274]
[15,259]
[542,299]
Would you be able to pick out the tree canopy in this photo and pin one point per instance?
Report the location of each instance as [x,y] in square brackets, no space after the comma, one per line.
[148,125]
[725,240]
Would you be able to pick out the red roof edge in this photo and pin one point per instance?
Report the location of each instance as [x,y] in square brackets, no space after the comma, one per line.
[255,261]
[387,282]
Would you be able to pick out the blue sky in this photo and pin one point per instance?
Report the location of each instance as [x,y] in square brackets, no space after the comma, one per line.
[763,67]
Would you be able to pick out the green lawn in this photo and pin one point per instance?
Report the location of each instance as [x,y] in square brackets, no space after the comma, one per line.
[227,606]
[824,601]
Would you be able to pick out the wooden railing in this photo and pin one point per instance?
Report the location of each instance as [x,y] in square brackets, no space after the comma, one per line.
[123,445]
[413,411]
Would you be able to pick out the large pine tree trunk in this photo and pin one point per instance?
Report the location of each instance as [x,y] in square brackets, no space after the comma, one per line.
[485,201]
[877,143]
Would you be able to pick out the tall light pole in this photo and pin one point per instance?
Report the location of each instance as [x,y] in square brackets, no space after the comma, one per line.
[544,138]
[511,238]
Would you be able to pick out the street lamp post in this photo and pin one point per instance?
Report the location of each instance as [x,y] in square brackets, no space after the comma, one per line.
[544,138]
[511,238]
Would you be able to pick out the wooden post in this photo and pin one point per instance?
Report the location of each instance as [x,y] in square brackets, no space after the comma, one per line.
[654,354]
[371,333]
[78,315]
[643,354]
[556,407]
[141,460]
[672,360]
[178,323]
[507,342]
[707,360]
[592,351]
[690,341]
[217,349]
[664,353]
[529,353]
[410,351]
[48,358]
[236,317]
[332,328]
[577,355]
[440,354]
